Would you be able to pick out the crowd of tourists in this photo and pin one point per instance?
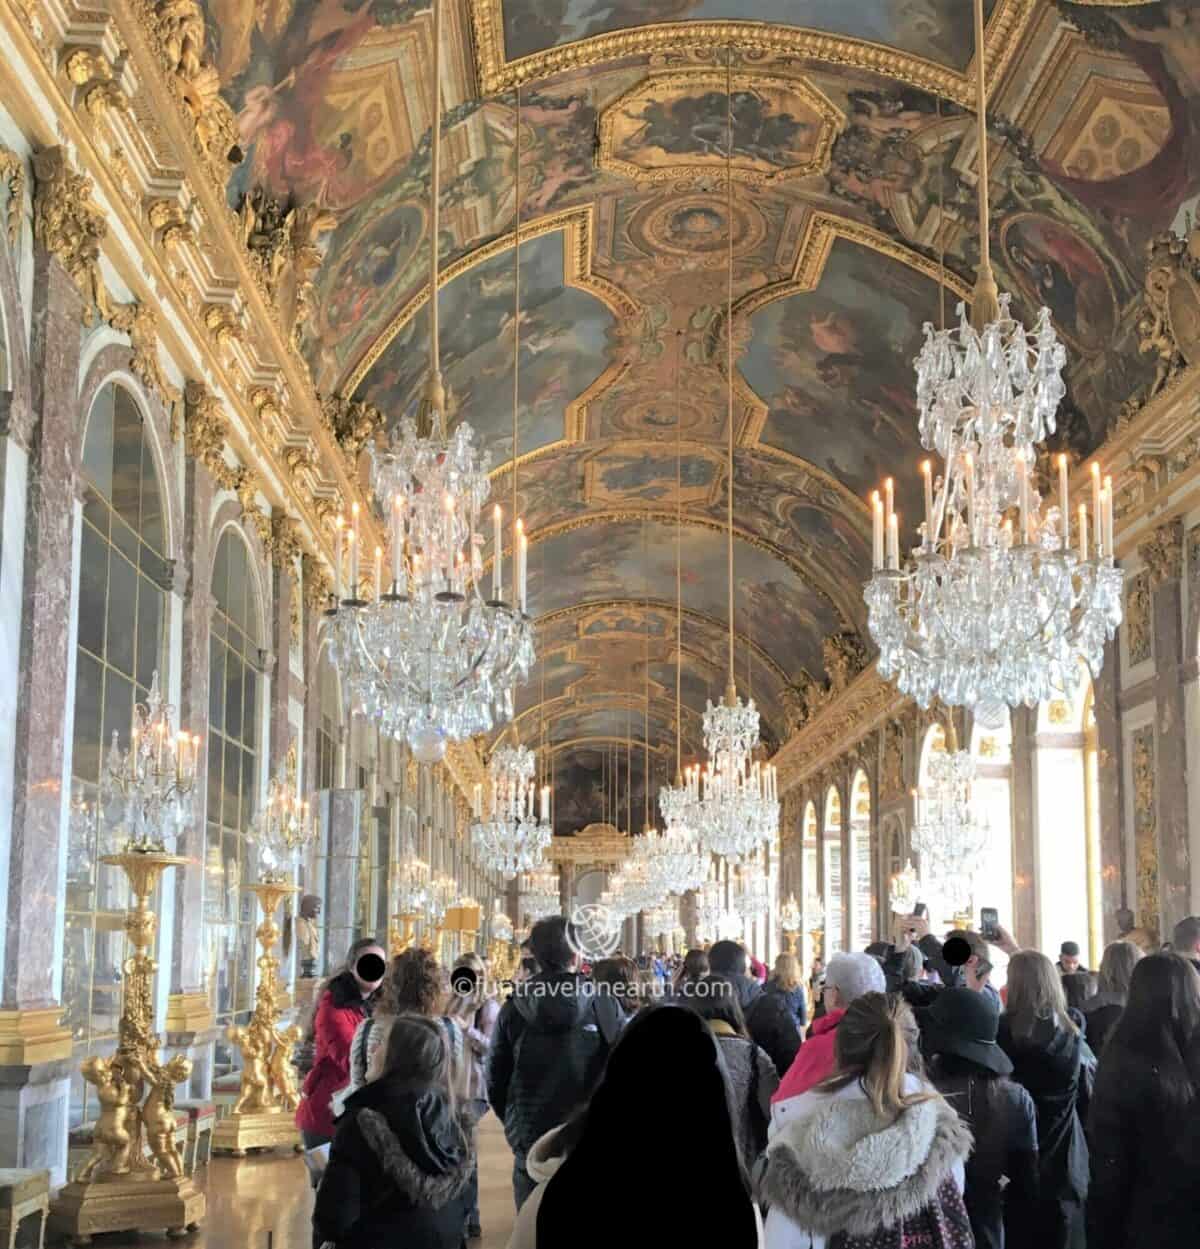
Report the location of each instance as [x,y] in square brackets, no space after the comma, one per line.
[693,1102]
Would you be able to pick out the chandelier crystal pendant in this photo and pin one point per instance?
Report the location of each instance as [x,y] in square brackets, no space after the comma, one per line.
[751,892]
[146,791]
[516,832]
[284,825]
[947,834]
[710,911]
[734,802]
[996,606]
[430,660]
[540,894]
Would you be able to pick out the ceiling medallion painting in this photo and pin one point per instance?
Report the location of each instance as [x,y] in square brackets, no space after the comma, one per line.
[671,128]
[927,43]
[568,315]
[680,230]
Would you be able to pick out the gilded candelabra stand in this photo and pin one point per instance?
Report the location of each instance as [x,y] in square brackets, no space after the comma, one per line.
[402,931]
[262,1115]
[119,1188]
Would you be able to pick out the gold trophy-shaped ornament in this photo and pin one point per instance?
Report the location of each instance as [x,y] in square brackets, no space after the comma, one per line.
[119,1188]
[262,1115]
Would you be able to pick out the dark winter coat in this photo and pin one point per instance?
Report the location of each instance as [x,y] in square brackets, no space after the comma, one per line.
[1101,1013]
[751,1081]
[796,999]
[339,1012]
[1057,1068]
[769,1020]
[397,1173]
[1003,1121]
[549,1048]
[1145,1162]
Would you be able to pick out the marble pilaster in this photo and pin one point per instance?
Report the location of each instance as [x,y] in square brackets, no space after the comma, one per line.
[1171,795]
[1024,827]
[344,829]
[1115,889]
[283,587]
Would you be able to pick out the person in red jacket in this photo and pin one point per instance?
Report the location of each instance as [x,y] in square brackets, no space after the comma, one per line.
[344,1001]
[847,977]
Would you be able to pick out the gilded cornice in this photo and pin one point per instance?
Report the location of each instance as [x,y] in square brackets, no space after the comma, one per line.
[151,164]
[753,39]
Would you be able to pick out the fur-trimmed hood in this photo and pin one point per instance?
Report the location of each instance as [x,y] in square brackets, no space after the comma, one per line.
[840,1168]
[420,1186]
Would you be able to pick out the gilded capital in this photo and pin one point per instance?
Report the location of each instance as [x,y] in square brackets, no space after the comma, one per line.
[204,426]
[141,324]
[351,422]
[69,226]
[1162,553]
[317,586]
[283,541]
[12,171]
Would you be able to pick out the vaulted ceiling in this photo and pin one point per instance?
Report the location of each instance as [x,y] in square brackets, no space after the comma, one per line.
[853,224]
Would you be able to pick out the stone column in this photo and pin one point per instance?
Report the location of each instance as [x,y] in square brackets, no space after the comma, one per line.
[34,1049]
[1163,557]
[1115,890]
[344,823]
[1024,826]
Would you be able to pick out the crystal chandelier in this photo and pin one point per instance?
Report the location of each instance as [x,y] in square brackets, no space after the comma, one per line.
[751,892]
[789,915]
[905,890]
[284,826]
[517,831]
[735,805]
[633,884]
[146,791]
[995,606]
[947,834]
[429,660]
[440,898]
[540,894]
[710,911]
[501,925]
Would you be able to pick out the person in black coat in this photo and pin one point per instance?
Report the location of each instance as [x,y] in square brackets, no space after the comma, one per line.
[552,1038]
[769,1019]
[1052,1061]
[971,1072]
[401,1158]
[1103,1011]
[1143,1128]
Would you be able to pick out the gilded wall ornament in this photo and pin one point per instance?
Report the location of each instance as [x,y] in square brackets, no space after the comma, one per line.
[69,226]
[351,422]
[141,324]
[12,171]
[316,583]
[845,656]
[1168,322]
[283,542]
[88,69]
[1162,553]
[1145,829]
[1138,633]
[891,781]
[203,425]
[166,216]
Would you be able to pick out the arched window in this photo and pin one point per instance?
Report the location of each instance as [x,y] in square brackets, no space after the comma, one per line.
[233,742]
[832,841]
[123,577]
[861,919]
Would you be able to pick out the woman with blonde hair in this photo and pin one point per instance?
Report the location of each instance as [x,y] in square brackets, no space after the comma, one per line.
[873,1156]
[786,983]
[1052,1061]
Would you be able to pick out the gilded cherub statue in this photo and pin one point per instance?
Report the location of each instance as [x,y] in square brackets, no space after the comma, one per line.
[158,1115]
[283,1074]
[116,1137]
[256,1085]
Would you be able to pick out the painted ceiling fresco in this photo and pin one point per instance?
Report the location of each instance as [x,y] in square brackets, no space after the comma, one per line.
[855,172]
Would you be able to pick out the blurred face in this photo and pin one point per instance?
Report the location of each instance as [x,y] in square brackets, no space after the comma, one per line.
[1070,963]
[832,998]
[369,968]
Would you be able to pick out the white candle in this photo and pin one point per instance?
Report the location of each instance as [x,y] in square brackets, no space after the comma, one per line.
[894,542]
[1064,505]
[1083,532]
[353,545]
[889,499]
[378,571]
[1109,549]
[969,461]
[497,555]
[477,800]
[448,504]
[927,473]
[524,568]
[337,563]
[1097,511]
[876,530]
[545,803]
[397,540]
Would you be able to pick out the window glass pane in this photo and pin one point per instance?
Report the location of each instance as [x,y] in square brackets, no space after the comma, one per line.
[216,756]
[93,576]
[97,445]
[118,708]
[77,974]
[149,632]
[88,744]
[233,695]
[232,785]
[250,715]
[122,602]
[126,459]
[216,685]
[220,586]
[249,797]
[96,511]
[236,609]
[124,539]
[151,529]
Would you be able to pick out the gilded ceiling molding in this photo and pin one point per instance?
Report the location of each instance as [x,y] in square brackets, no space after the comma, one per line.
[720,627]
[659,750]
[569,703]
[140,323]
[576,226]
[666,83]
[1162,553]
[497,73]
[12,172]
[93,75]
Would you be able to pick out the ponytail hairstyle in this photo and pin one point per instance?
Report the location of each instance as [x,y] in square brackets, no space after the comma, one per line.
[876,1044]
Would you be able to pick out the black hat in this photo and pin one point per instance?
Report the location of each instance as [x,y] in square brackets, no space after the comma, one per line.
[965,1023]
